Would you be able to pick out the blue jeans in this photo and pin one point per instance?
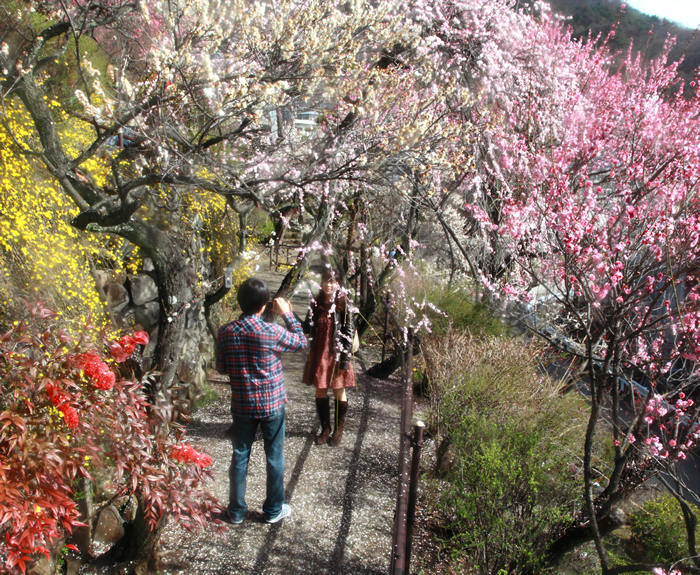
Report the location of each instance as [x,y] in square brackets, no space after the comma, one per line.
[243,431]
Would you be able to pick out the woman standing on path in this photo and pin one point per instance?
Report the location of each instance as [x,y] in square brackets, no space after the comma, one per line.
[330,326]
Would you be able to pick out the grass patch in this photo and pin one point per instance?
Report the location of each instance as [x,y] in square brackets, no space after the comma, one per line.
[461,313]
[207,396]
[658,531]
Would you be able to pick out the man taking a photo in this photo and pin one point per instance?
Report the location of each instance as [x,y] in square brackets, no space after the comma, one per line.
[249,352]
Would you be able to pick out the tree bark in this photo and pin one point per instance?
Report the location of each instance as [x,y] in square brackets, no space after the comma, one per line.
[301,267]
[577,536]
[691,521]
[136,553]
[587,462]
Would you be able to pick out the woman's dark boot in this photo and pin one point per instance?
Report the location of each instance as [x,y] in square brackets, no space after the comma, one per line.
[341,409]
[324,414]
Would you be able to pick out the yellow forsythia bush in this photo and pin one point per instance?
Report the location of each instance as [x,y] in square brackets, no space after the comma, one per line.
[39,250]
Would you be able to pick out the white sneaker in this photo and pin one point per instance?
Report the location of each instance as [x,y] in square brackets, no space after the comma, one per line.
[286,510]
[234,521]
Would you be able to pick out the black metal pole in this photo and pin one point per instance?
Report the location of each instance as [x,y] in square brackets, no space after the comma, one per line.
[398,557]
[413,489]
[387,307]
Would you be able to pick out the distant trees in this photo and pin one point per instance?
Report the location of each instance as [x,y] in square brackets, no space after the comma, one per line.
[601,16]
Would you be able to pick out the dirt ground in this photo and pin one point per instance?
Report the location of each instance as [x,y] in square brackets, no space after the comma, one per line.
[342,498]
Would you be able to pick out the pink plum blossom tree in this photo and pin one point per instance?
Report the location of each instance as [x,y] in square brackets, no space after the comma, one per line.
[584,186]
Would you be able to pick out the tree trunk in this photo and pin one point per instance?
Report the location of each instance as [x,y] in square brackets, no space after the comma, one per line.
[136,553]
[596,391]
[243,211]
[243,232]
[354,208]
[173,279]
[364,281]
[691,521]
[575,537]
[301,266]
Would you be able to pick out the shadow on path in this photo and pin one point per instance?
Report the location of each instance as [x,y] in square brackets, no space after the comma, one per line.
[264,553]
[351,481]
[342,499]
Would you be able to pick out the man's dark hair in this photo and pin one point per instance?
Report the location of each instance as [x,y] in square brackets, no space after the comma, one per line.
[253,293]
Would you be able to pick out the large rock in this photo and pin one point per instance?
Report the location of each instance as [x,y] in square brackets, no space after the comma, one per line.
[127,507]
[110,277]
[192,317]
[47,565]
[125,318]
[117,296]
[147,315]
[110,526]
[73,565]
[187,370]
[143,289]
[103,277]
[42,566]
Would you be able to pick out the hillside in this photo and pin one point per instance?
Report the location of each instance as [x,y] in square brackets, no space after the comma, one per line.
[599,16]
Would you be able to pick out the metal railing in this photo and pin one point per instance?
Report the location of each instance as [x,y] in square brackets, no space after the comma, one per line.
[408,473]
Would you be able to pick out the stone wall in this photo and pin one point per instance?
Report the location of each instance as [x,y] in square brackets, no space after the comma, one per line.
[133,301]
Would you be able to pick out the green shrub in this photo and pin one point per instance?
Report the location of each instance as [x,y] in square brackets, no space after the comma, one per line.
[507,440]
[659,531]
[260,226]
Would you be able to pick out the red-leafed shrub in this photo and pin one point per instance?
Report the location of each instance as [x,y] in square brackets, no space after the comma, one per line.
[63,414]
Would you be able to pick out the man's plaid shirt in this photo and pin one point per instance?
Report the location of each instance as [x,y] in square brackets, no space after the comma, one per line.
[249,352]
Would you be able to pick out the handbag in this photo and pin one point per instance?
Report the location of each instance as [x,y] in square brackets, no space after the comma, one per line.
[355,343]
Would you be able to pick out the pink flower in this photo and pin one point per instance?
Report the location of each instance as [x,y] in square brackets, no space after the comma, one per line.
[631,438]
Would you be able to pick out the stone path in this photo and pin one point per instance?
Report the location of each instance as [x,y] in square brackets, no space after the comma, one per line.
[342,498]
